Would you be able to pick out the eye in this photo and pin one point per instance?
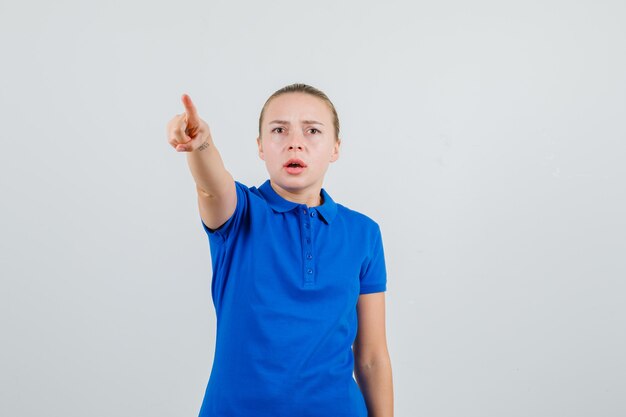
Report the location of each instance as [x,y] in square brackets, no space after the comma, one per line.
[314,130]
[278,130]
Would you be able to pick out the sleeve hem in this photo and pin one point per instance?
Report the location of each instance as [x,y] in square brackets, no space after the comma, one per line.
[220,234]
[373,288]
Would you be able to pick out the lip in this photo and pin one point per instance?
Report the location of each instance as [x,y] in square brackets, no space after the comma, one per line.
[294,170]
[295,161]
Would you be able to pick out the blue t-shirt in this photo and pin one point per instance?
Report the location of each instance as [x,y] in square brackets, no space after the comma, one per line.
[286,280]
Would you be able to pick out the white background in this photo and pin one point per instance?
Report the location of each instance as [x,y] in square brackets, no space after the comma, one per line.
[486,138]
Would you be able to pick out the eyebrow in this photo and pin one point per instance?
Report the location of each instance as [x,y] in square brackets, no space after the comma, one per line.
[307,122]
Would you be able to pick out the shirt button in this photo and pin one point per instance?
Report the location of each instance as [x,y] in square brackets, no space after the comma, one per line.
[312,214]
[306,225]
[309,256]
[303,211]
[309,271]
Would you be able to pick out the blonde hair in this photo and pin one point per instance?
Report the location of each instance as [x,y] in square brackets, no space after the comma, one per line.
[307,89]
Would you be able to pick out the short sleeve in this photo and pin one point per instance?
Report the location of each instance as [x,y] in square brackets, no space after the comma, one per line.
[233,224]
[374,272]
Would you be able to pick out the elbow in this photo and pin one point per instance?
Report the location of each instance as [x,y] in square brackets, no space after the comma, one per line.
[204,193]
[366,362]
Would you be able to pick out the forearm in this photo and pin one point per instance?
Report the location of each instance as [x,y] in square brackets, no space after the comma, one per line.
[207,169]
[376,383]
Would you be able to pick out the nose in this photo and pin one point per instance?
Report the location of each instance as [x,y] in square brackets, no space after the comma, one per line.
[295,141]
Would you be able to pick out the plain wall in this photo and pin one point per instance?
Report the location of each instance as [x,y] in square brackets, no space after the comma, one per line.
[486,138]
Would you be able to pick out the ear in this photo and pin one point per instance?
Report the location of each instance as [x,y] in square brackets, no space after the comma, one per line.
[259,143]
[335,154]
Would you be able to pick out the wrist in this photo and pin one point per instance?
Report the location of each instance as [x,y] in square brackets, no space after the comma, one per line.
[205,145]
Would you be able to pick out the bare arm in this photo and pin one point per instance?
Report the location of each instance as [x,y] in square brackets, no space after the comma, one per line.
[372,365]
[217,197]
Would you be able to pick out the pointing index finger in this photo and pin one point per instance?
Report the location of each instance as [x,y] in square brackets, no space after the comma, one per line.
[190,108]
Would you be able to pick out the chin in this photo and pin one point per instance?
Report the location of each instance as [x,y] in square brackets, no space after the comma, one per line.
[289,182]
[299,183]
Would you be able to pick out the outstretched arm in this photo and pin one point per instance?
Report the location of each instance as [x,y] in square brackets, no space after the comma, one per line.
[372,365]
[217,197]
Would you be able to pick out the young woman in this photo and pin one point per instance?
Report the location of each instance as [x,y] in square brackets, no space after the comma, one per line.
[298,280]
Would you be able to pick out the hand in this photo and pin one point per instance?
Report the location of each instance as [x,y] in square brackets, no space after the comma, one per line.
[187,132]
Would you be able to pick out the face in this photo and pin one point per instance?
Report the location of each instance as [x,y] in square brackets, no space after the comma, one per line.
[297,141]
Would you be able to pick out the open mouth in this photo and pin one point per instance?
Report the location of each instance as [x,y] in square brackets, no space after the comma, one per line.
[295,163]
[294,166]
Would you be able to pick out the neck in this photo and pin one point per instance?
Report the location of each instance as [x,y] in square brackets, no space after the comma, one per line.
[311,197]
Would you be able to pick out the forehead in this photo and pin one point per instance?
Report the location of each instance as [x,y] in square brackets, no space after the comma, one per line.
[297,106]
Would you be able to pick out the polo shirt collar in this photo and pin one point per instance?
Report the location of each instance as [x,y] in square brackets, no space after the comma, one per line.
[328,209]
